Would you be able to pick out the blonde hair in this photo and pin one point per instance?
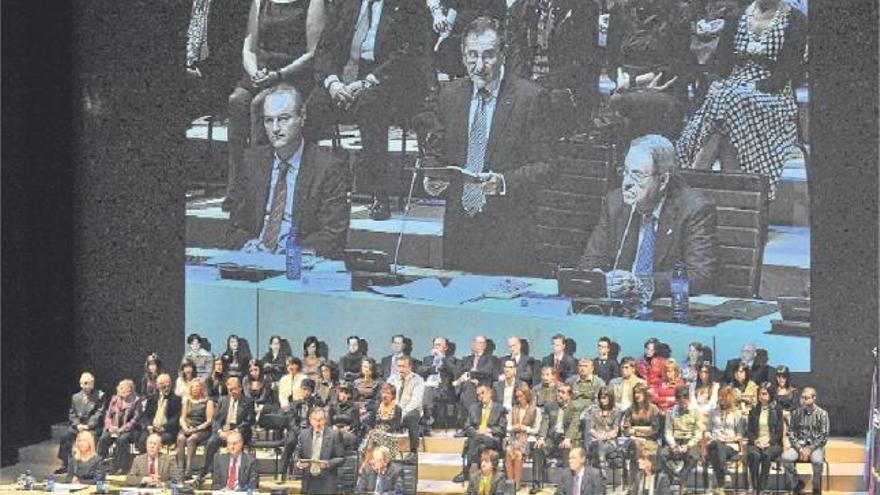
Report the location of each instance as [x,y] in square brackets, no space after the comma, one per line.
[125,382]
[384,452]
[201,383]
[86,376]
[91,440]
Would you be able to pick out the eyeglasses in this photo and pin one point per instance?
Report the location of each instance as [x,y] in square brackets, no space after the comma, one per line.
[637,177]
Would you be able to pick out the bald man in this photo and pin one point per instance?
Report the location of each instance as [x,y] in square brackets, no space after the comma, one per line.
[235,470]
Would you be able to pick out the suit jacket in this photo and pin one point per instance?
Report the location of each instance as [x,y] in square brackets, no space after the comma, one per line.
[140,468]
[500,239]
[87,409]
[591,482]
[498,390]
[496,488]
[247,472]
[574,39]
[571,420]
[607,370]
[758,373]
[662,485]
[331,451]
[568,365]
[686,232]
[497,420]
[320,201]
[527,369]
[345,415]
[446,369]
[385,370]
[172,412]
[775,423]
[366,483]
[487,367]
[244,415]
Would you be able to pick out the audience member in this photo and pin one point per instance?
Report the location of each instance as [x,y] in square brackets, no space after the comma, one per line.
[745,389]
[523,425]
[120,422]
[642,424]
[560,429]
[472,370]
[704,391]
[152,369]
[256,388]
[345,417]
[200,357]
[545,391]
[236,470]
[84,465]
[485,428]
[297,421]
[383,422]
[235,358]
[758,371]
[196,416]
[563,364]
[580,478]
[186,373]
[290,385]
[86,413]
[438,371]
[606,366]
[764,434]
[674,224]
[648,479]
[807,436]
[153,468]
[325,385]
[161,413]
[367,383]
[389,362]
[623,385]
[379,476]
[487,480]
[683,431]
[585,384]
[410,393]
[725,434]
[503,390]
[235,414]
[274,362]
[652,365]
[663,393]
[602,427]
[784,393]
[690,368]
[319,453]
[525,364]
[215,384]
[350,363]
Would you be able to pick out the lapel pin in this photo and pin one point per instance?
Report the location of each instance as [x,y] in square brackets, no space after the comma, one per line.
[669,232]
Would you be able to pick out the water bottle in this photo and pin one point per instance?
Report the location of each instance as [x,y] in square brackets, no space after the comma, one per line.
[50,483]
[99,483]
[250,489]
[28,480]
[175,486]
[678,286]
[293,256]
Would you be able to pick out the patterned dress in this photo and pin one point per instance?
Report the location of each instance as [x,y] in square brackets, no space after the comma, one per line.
[761,126]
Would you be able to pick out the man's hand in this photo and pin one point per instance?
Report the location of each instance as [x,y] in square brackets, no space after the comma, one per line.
[323,464]
[340,94]
[356,88]
[565,444]
[620,283]
[434,187]
[302,464]
[193,72]
[804,454]
[82,427]
[440,22]
[623,81]
[540,443]
[266,78]
[493,186]
[654,83]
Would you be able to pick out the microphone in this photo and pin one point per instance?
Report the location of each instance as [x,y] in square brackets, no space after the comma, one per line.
[632,212]
[408,204]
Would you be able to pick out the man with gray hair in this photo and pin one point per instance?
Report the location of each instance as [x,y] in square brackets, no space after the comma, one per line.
[653,222]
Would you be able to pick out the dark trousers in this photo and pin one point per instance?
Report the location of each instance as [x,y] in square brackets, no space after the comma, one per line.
[759,464]
[289,448]
[690,458]
[410,423]
[719,454]
[467,397]
[168,438]
[476,444]
[551,450]
[122,458]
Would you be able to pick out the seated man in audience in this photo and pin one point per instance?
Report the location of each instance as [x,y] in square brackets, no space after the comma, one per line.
[234,414]
[623,385]
[651,223]
[235,470]
[580,478]
[525,364]
[388,367]
[86,414]
[563,364]
[545,392]
[606,367]
[474,369]
[162,413]
[319,454]
[503,389]
[298,421]
[560,428]
[291,185]
[410,393]
[495,125]
[586,384]
[379,476]
[438,370]
[346,417]
[153,469]
[486,425]
[807,435]
[373,68]
[758,372]
[683,431]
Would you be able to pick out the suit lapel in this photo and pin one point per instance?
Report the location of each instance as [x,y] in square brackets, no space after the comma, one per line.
[628,240]
[382,31]
[461,125]
[665,228]
[262,184]
[503,110]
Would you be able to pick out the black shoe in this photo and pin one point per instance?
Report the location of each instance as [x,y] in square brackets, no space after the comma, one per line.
[460,434]
[799,488]
[380,210]
[61,470]
[459,478]
[533,490]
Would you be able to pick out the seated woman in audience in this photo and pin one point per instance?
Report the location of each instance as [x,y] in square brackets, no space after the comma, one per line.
[196,416]
[84,464]
[199,356]
[258,389]
[602,427]
[748,118]
[289,385]
[786,395]
[663,394]
[725,435]
[152,369]
[185,375]
[647,478]
[367,385]
[690,368]
[215,384]
[274,360]
[488,480]
[642,422]
[235,358]
[704,391]
[326,382]
[279,47]
[384,420]
[652,365]
[764,434]
[523,423]
[310,367]
[746,390]
[312,348]
[120,420]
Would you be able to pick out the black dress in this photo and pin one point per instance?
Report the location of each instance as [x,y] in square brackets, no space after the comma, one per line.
[86,470]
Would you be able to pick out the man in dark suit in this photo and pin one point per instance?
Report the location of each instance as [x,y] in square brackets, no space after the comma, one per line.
[758,372]
[234,414]
[373,67]
[580,478]
[152,468]
[388,366]
[474,369]
[504,390]
[564,365]
[438,369]
[319,454]
[298,421]
[86,414]
[291,183]
[653,222]
[235,470]
[161,414]
[606,367]
[496,125]
[485,428]
[379,476]
[527,370]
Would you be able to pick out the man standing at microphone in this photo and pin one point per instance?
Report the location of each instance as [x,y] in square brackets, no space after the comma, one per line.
[653,221]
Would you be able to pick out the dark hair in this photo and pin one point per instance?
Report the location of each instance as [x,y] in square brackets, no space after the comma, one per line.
[192,337]
[230,337]
[604,338]
[706,365]
[741,367]
[491,456]
[345,387]
[153,358]
[293,360]
[558,336]
[645,404]
[307,383]
[406,359]
[311,339]
[783,371]
[481,25]
[255,363]
[681,392]
[771,390]
[628,361]
[608,392]
[187,362]
[387,387]
[400,336]
[372,363]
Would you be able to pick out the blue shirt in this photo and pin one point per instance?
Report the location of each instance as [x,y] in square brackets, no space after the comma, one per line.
[489,105]
[368,47]
[292,174]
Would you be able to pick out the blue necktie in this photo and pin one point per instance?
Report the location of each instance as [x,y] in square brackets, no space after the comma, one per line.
[380,483]
[645,257]
[472,198]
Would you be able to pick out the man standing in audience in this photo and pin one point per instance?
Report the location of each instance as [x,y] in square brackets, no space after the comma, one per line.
[410,393]
[560,428]
[373,67]
[474,369]
[682,432]
[495,125]
[152,469]
[290,185]
[235,471]
[438,370]
[485,428]
[580,478]
[807,435]
[545,392]
[234,415]
[585,385]
[758,372]
[606,367]
[525,364]
[379,476]
[563,364]
[623,385]
[651,223]
[298,421]
[319,454]
[86,414]
[161,413]
[503,390]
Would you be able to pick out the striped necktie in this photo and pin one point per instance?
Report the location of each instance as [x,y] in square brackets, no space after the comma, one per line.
[472,198]
[645,258]
[276,213]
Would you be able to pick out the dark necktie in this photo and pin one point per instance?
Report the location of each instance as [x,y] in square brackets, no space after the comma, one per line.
[645,257]
[472,198]
[276,213]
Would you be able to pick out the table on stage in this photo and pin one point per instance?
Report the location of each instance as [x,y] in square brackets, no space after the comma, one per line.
[321,304]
